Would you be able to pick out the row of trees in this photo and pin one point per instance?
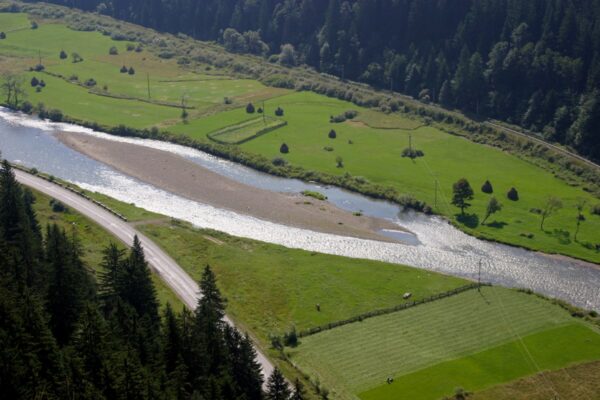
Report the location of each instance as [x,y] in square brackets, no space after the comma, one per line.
[462,194]
[66,335]
[534,63]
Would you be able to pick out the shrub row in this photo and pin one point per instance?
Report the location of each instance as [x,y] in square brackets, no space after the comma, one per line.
[383,311]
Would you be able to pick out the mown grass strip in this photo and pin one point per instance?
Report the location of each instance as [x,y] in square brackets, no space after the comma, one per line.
[550,349]
[360,356]
[389,310]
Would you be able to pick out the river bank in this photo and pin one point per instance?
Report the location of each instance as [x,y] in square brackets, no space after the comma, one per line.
[177,175]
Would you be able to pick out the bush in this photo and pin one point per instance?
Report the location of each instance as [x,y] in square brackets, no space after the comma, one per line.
[113,51]
[42,83]
[123,69]
[227,100]
[339,162]
[139,49]
[314,195]
[55,115]
[131,71]
[34,82]
[284,149]
[412,153]
[279,112]
[57,206]
[63,55]
[328,148]
[513,194]
[26,107]
[260,110]
[487,187]
[279,162]
[2,35]
[73,78]
[595,209]
[332,134]
[39,68]
[90,82]
[250,108]
[130,47]
[76,58]
[34,25]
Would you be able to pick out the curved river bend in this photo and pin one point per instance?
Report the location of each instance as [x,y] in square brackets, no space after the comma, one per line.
[435,245]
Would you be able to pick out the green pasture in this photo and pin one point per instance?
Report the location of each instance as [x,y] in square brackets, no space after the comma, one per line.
[548,350]
[271,289]
[359,357]
[76,102]
[245,130]
[375,155]
[93,240]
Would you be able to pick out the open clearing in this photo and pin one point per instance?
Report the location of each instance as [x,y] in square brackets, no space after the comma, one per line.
[377,139]
[359,357]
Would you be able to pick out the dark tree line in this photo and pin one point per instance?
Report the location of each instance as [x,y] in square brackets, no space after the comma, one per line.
[65,335]
[535,63]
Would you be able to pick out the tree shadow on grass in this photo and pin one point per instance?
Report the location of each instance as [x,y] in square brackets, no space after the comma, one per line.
[469,220]
[496,225]
[563,236]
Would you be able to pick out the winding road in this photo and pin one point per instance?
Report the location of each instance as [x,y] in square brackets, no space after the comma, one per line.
[160,262]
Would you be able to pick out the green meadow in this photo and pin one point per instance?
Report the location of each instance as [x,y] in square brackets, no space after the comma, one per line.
[547,350]
[486,338]
[370,144]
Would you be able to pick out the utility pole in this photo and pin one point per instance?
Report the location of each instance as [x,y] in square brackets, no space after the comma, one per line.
[39,57]
[264,113]
[410,142]
[148,80]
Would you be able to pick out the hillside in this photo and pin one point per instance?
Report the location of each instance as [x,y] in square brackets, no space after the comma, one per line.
[532,63]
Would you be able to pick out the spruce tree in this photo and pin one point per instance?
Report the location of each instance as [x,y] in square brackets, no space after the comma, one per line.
[277,387]
[67,284]
[298,393]
[136,287]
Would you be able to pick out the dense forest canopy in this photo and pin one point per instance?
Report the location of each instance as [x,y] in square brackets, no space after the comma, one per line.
[535,63]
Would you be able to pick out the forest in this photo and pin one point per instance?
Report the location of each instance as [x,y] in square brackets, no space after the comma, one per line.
[533,63]
[67,335]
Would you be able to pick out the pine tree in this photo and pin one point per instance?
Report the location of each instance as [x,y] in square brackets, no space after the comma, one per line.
[67,284]
[209,324]
[298,393]
[136,286]
[111,277]
[277,387]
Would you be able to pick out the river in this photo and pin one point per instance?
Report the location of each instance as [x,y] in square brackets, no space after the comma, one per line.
[434,244]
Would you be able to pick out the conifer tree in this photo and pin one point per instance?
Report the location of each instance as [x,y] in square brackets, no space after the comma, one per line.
[277,387]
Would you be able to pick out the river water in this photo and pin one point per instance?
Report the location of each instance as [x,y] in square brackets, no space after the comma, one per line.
[434,244]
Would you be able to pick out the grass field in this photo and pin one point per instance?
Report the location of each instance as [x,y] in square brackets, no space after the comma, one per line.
[547,350]
[246,130]
[377,139]
[359,357]
[578,381]
[93,240]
